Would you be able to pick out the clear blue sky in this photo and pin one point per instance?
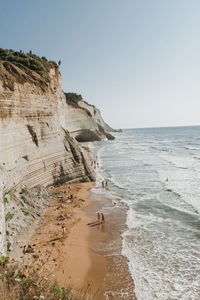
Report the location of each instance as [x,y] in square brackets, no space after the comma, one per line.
[138,61]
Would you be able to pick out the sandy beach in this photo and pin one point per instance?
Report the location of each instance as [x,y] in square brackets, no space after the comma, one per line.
[64,249]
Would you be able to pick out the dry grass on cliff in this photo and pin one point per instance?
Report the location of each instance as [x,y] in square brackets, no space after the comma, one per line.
[14,285]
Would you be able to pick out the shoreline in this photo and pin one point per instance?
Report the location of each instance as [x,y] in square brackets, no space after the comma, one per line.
[108,265]
[76,256]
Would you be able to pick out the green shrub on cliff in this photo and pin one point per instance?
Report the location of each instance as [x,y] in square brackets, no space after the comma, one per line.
[8,196]
[27,60]
[9,216]
[73,99]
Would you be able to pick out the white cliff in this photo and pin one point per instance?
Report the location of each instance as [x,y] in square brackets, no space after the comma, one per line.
[36,148]
[85,122]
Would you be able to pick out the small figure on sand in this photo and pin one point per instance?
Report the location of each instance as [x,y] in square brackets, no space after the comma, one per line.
[106,184]
[102,218]
[102,183]
[98,217]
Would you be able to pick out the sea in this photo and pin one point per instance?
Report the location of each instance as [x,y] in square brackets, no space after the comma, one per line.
[154,174]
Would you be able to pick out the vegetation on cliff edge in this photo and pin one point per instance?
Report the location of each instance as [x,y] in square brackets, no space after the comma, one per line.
[20,67]
[73,100]
[27,60]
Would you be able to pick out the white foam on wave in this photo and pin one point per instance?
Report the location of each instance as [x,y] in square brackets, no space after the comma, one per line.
[137,158]
[117,183]
[122,295]
[179,161]
[100,176]
[162,265]
[184,184]
[192,148]
[163,252]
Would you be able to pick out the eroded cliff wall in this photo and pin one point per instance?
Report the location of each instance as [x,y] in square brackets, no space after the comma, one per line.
[85,122]
[36,148]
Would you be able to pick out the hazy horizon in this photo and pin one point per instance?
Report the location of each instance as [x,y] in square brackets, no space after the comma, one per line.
[161,127]
[137,61]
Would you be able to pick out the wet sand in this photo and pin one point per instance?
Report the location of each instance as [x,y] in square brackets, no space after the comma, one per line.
[108,275]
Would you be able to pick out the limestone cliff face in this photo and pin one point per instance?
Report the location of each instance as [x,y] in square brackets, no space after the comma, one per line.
[85,123]
[36,147]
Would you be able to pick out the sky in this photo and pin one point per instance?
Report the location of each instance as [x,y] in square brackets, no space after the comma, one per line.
[138,61]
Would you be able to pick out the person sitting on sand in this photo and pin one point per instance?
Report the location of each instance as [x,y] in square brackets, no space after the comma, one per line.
[102,218]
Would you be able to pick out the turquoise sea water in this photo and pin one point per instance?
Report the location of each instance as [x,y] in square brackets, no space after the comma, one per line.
[155,173]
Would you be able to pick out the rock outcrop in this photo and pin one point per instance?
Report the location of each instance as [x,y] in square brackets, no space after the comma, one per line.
[85,122]
[36,147]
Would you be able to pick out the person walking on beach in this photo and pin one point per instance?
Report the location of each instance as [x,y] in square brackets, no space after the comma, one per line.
[102,183]
[106,184]
[98,217]
[102,218]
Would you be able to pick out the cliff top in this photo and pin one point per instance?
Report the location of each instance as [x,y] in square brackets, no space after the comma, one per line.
[24,67]
[27,61]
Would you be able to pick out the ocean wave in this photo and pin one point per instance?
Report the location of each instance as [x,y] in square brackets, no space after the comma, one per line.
[185,186]
[192,148]
[137,158]
[178,161]
[166,150]
[171,191]
[116,183]
[162,239]
[158,257]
